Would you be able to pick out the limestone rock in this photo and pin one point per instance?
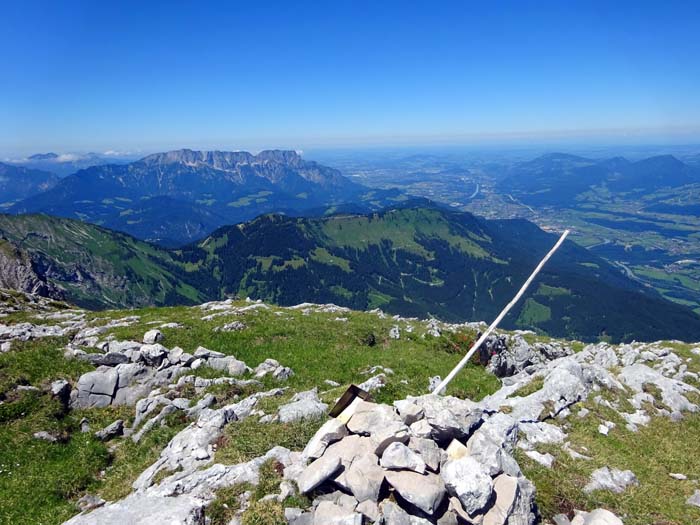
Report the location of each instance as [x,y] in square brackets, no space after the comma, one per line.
[328,513]
[614,480]
[318,472]
[110,431]
[398,456]
[304,405]
[467,479]
[424,491]
[364,478]
[152,337]
[331,431]
[694,500]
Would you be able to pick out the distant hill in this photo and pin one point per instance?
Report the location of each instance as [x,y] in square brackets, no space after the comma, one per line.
[413,260]
[66,163]
[557,179]
[209,189]
[18,182]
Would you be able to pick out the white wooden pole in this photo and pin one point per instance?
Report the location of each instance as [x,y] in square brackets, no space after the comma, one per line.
[500,317]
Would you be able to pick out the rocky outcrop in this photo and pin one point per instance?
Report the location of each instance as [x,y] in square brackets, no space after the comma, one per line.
[17,272]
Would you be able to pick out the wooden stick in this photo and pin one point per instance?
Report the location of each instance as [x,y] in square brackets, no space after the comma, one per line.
[500,317]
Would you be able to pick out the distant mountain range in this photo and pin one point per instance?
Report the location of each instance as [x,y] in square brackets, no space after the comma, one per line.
[180,196]
[414,260]
[557,179]
[18,182]
[67,163]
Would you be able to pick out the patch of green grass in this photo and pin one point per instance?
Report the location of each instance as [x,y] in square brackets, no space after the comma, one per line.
[39,481]
[530,388]
[533,313]
[38,363]
[227,502]
[248,439]
[652,453]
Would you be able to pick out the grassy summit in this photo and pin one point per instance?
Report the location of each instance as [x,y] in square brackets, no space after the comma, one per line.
[40,482]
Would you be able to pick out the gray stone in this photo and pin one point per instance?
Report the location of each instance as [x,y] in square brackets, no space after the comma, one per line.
[546,460]
[614,480]
[493,443]
[205,353]
[328,513]
[89,502]
[398,456]
[153,354]
[331,431]
[507,492]
[428,451]
[97,388]
[409,411]
[601,517]
[394,515]
[304,405]
[450,417]
[318,472]
[60,389]
[110,431]
[694,500]
[373,383]
[152,337]
[466,479]
[369,509]
[364,478]
[45,436]
[425,491]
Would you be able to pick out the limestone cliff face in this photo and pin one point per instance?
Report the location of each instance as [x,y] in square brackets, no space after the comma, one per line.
[17,272]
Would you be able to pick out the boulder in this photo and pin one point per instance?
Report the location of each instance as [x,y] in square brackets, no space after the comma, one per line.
[96,389]
[318,472]
[328,513]
[398,456]
[364,478]
[614,480]
[468,481]
[507,492]
[330,432]
[152,337]
[304,405]
[113,430]
[425,491]
[428,451]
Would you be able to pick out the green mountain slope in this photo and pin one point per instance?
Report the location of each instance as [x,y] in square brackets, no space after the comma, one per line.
[416,261]
[429,261]
[95,267]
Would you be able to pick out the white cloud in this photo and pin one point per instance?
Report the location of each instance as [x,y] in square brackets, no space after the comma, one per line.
[67,157]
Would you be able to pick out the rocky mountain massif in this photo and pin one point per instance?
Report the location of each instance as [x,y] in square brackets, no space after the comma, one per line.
[549,441]
[415,260]
[18,182]
[180,196]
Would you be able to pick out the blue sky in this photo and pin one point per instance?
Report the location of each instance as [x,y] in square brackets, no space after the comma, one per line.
[143,76]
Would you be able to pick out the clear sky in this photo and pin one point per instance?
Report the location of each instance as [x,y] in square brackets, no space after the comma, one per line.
[79,76]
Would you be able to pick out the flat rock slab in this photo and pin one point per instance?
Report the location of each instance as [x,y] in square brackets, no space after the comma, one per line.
[614,480]
[424,491]
[318,472]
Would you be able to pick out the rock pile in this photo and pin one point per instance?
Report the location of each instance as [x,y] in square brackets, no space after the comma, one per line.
[421,461]
[128,370]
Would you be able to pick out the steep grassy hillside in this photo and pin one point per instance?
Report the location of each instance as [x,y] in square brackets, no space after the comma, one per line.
[415,260]
[428,261]
[95,267]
